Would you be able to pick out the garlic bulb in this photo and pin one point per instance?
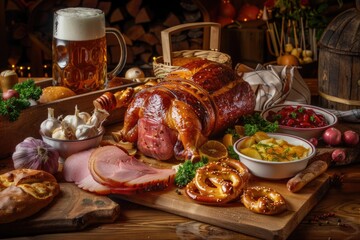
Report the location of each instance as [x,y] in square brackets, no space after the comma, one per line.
[98,117]
[51,123]
[64,132]
[85,116]
[74,120]
[35,154]
[85,131]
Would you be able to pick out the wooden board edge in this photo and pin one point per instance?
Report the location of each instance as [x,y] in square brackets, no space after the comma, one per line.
[283,232]
[299,215]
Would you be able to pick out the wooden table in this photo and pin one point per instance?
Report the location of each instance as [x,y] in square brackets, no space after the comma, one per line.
[337,216]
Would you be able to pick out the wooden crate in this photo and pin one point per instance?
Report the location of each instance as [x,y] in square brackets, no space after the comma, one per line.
[28,124]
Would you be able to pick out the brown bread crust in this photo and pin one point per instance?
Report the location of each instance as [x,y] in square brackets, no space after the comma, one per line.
[24,192]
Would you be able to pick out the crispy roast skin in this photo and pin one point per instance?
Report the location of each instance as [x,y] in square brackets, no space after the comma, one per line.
[23,192]
[202,100]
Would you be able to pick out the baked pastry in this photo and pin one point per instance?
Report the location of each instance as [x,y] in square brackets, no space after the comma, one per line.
[53,93]
[23,192]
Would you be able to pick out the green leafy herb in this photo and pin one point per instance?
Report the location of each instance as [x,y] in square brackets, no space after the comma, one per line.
[233,132]
[12,107]
[312,118]
[255,123]
[232,153]
[28,89]
[187,170]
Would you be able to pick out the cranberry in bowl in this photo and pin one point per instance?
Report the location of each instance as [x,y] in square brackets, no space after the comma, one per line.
[306,121]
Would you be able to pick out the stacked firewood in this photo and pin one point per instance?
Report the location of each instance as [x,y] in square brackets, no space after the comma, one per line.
[141,23]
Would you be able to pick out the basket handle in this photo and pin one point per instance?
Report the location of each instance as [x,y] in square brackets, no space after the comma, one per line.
[214,35]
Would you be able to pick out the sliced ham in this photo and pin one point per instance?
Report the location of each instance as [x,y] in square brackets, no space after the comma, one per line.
[76,170]
[111,166]
[75,166]
[116,172]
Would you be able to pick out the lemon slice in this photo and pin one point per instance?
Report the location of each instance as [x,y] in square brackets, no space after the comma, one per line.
[213,150]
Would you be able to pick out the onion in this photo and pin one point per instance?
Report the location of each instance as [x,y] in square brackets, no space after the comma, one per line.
[351,138]
[338,155]
[9,94]
[332,136]
[35,154]
[134,72]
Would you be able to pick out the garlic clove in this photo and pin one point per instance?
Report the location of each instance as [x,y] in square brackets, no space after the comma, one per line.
[74,120]
[84,116]
[98,117]
[51,123]
[85,131]
[64,132]
[59,133]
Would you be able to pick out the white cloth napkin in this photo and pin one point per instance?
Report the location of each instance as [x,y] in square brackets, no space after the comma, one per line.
[275,84]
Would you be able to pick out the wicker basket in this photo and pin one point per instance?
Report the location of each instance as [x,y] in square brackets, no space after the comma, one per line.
[162,65]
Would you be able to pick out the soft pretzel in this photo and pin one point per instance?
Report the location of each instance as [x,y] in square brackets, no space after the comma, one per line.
[238,166]
[23,192]
[217,183]
[263,200]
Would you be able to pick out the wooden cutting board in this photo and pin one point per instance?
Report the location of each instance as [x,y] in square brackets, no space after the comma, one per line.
[72,210]
[235,216]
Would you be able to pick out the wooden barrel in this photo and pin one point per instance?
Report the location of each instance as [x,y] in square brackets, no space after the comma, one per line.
[339,62]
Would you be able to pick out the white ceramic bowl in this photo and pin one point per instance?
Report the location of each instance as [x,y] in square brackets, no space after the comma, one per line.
[306,133]
[277,170]
[69,147]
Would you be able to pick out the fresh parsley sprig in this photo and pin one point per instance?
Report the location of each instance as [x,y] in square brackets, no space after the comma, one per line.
[12,107]
[255,123]
[187,171]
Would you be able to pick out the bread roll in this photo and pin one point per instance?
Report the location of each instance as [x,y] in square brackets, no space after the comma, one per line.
[24,192]
[53,93]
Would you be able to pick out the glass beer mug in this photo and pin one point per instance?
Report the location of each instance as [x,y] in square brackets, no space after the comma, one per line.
[79,49]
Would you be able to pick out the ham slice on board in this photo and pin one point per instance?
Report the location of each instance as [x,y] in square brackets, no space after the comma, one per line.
[108,169]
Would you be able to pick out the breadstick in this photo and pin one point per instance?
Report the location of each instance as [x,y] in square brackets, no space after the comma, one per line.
[307,175]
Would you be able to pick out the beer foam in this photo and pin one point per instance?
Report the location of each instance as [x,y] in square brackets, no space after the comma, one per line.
[79,24]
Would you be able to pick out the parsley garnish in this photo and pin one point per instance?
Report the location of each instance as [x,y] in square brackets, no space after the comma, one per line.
[255,123]
[12,107]
[187,170]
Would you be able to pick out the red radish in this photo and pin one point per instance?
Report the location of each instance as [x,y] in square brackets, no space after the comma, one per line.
[332,136]
[351,138]
[314,141]
[9,94]
[338,155]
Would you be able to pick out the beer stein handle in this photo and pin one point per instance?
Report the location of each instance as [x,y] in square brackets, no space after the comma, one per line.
[123,52]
